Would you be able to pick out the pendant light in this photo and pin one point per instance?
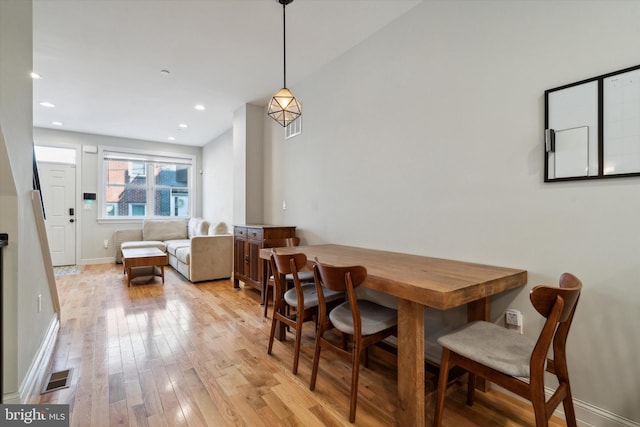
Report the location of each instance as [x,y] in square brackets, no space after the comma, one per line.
[284,108]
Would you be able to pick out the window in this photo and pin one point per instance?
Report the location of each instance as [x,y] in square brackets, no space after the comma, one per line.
[55,154]
[141,185]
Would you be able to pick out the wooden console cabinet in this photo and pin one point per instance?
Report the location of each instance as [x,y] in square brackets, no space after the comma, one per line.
[247,242]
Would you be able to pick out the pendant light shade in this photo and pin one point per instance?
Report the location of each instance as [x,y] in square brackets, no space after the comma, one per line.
[284,108]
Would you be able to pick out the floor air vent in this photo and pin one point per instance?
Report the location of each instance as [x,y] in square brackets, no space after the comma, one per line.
[57,380]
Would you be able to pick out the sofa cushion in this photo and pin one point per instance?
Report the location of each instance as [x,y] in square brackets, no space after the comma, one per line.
[138,244]
[161,229]
[184,255]
[197,227]
[174,245]
[219,228]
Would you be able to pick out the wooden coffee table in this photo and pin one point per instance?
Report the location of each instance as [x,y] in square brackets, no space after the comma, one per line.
[143,262]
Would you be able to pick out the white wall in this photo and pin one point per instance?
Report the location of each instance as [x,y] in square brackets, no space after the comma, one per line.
[427,139]
[92,233]
[24,275]
[217,179]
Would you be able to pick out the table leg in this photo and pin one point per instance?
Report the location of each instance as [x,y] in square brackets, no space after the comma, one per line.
[411,388]
[264,276]
[480,310]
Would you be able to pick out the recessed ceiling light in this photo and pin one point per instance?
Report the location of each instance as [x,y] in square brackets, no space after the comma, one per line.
[47,104]
[183,126]
[35,76]
[171,138]
[200,107]
[56,123]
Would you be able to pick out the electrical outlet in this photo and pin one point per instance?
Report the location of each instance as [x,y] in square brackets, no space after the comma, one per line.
[513,319]
[106,243]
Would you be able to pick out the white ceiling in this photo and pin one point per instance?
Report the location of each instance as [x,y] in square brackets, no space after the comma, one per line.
[100,60]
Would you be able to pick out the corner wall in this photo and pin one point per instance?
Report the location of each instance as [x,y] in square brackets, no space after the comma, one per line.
[217,180]
[248,165]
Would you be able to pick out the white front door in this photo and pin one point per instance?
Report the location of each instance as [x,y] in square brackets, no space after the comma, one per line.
[58,186]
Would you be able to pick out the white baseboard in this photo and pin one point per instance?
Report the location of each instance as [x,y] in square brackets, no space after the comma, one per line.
[40,364]
[11,399]
[587,415]
[592,416]
[90,261]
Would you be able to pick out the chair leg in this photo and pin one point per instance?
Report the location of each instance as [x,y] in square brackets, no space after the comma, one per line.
[471,388]
[539,407]
[316,361]
[442,388]
[296,347]
[266,300]
[562,373]
[355,361]
[569,412]
[273,327]
[541,417]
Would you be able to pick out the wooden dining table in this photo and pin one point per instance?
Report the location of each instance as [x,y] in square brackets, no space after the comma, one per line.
[417,282]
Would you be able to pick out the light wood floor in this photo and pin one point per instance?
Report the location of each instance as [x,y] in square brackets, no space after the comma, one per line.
[188,354]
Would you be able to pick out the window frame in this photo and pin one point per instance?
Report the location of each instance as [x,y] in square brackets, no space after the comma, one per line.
[146,156]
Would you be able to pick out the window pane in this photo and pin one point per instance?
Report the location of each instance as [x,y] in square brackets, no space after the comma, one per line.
[112,209]
[137,169]
[172,190]
[55,154]
[123,188]
[137,209]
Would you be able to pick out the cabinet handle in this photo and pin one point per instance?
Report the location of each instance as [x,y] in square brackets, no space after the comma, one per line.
[254,234]
[246,259]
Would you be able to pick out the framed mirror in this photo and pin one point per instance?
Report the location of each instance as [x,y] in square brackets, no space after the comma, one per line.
[592,128]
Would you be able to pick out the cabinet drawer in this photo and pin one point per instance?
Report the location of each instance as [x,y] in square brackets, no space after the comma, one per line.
[254,233]
[240,231]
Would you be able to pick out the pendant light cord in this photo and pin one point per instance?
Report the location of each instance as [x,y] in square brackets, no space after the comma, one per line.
[284,41]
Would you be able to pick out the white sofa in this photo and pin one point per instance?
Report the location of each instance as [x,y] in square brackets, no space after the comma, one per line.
[197,249]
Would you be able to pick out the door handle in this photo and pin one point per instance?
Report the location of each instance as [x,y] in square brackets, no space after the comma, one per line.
[72,220]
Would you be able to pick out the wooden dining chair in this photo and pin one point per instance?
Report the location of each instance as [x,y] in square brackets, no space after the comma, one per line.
[305,275]
[516,362]
[364,321]
[293,306]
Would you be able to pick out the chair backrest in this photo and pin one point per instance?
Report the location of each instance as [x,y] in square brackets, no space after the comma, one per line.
[339,279]
[335,278]
[543,298]
[288,263]
[282,264]
[558,305]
